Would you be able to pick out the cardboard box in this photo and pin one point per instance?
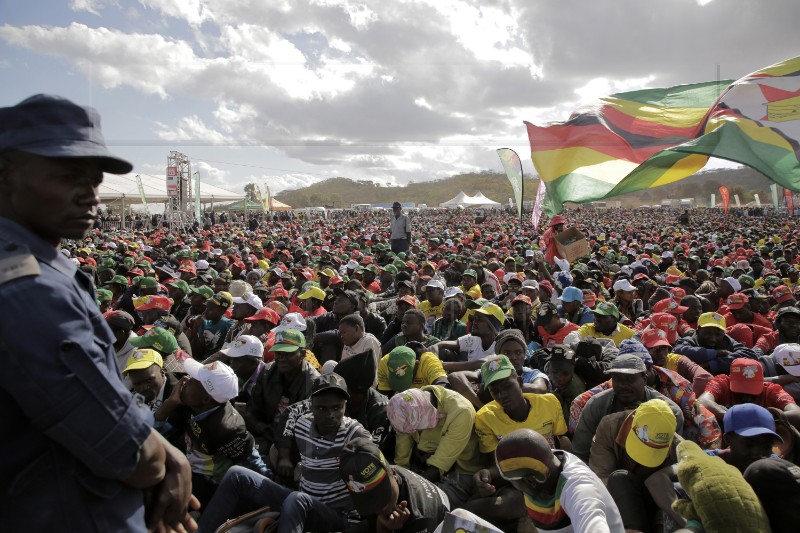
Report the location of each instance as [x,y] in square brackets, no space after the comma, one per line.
[578,245]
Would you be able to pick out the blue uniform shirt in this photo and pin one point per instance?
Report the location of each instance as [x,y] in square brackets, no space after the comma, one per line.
[71,431]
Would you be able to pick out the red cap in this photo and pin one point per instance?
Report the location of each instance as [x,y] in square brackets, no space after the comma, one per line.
[265,313]
[737,301]
[521,298]
[668,305]
[747,376]
[782,294]
[652,337]
[152,302]
[411,300]
[666,323]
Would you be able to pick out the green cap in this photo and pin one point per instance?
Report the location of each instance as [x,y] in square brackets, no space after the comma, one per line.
[391,269]
[180,285]
[158,339]
[148,283]
[400,368]
[289,340]
[495,368]
[606,309]
[470,272]
[744,279]
[118,280]
[104,295]
[205,292]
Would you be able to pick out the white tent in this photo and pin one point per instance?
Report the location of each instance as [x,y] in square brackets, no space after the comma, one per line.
[463,200]
[116,188]
[483,201]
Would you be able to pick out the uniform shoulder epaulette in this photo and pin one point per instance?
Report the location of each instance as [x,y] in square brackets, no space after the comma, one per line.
[16,261]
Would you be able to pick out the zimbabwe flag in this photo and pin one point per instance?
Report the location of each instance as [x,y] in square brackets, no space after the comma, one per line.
[644,139]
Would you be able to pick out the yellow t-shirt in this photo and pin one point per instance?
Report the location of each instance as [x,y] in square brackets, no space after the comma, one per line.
[431,313]
[427,371]
[622,333]
[474,292]
[545,417]
[452,443]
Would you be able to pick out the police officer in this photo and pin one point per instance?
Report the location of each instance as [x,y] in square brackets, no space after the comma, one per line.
[79,452]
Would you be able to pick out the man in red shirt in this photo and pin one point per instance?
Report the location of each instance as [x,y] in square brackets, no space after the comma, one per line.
[746,385]
[739,312]
[787,330]
[552,327]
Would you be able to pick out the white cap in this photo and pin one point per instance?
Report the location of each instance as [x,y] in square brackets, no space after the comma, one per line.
[435,283]
[202,264]
[249,298]
[329,367]
[512,275]
[648,246]
[452,291]
[734,283]
[217,379]
[243,346]
[111,245]
[623,285]
[666,255]
[788,356]
[352,264]
[291,321]
[325,249]
[530,284]
[529,253]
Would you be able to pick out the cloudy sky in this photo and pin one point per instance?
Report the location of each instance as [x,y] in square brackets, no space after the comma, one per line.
[289,92]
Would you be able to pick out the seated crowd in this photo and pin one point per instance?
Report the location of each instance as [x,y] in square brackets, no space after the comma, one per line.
[351,388]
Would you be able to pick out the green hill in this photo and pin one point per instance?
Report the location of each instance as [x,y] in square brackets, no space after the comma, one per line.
[344,192]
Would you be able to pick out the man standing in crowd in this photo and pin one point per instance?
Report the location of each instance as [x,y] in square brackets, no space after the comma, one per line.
[400,228]
[68,416]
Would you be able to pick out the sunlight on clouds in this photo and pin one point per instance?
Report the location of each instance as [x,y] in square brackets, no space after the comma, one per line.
[423,103]
[600,87]
[191,127]
[194,12]
[360,15]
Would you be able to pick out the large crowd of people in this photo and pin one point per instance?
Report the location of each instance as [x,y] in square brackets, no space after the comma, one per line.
[350,382]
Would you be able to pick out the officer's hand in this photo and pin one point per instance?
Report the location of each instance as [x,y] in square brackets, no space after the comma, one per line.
[285,469]
[483,483]
[169,501]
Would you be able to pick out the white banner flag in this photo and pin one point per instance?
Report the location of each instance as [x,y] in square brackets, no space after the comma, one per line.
[536,214]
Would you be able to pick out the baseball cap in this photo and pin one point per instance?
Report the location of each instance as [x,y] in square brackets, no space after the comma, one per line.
[495,368]
[410,300]
[747,376]
[119,320]
[205,292]
[623,285]
[711,320]
[217,378]
[452,291]
[222,299]
[244,346]
[366,474]
[400,368]
[289,340]
[180,285]
[791,310]
[350,295]
[292,321]
[117,280]
[521,298]
[788,356]
[627,364]
[148,283]
[157,338]
[571,294]
[144,303]
[470,272]
[737,300]
[668,305]
[265,313]
[313,292]
[749,420]
[435,284]
[52,126]
[652,337]
[606,309]
[143,358]
[561,359]
[734,283]
[545,314]
[651,433]
[494,313]
[329,382]
[250,299]
[327,272]
[782,294]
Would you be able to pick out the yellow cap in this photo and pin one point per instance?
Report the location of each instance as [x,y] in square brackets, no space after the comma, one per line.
[493,310]
[651,433]
[313,292]
[143,358]
[715,320]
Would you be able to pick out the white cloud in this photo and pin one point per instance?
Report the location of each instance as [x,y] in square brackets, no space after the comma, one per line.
[91,6]
[193,128]
[194,12]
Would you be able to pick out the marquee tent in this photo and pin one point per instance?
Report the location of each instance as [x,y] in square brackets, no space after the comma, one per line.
[464,200]
[116,188]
